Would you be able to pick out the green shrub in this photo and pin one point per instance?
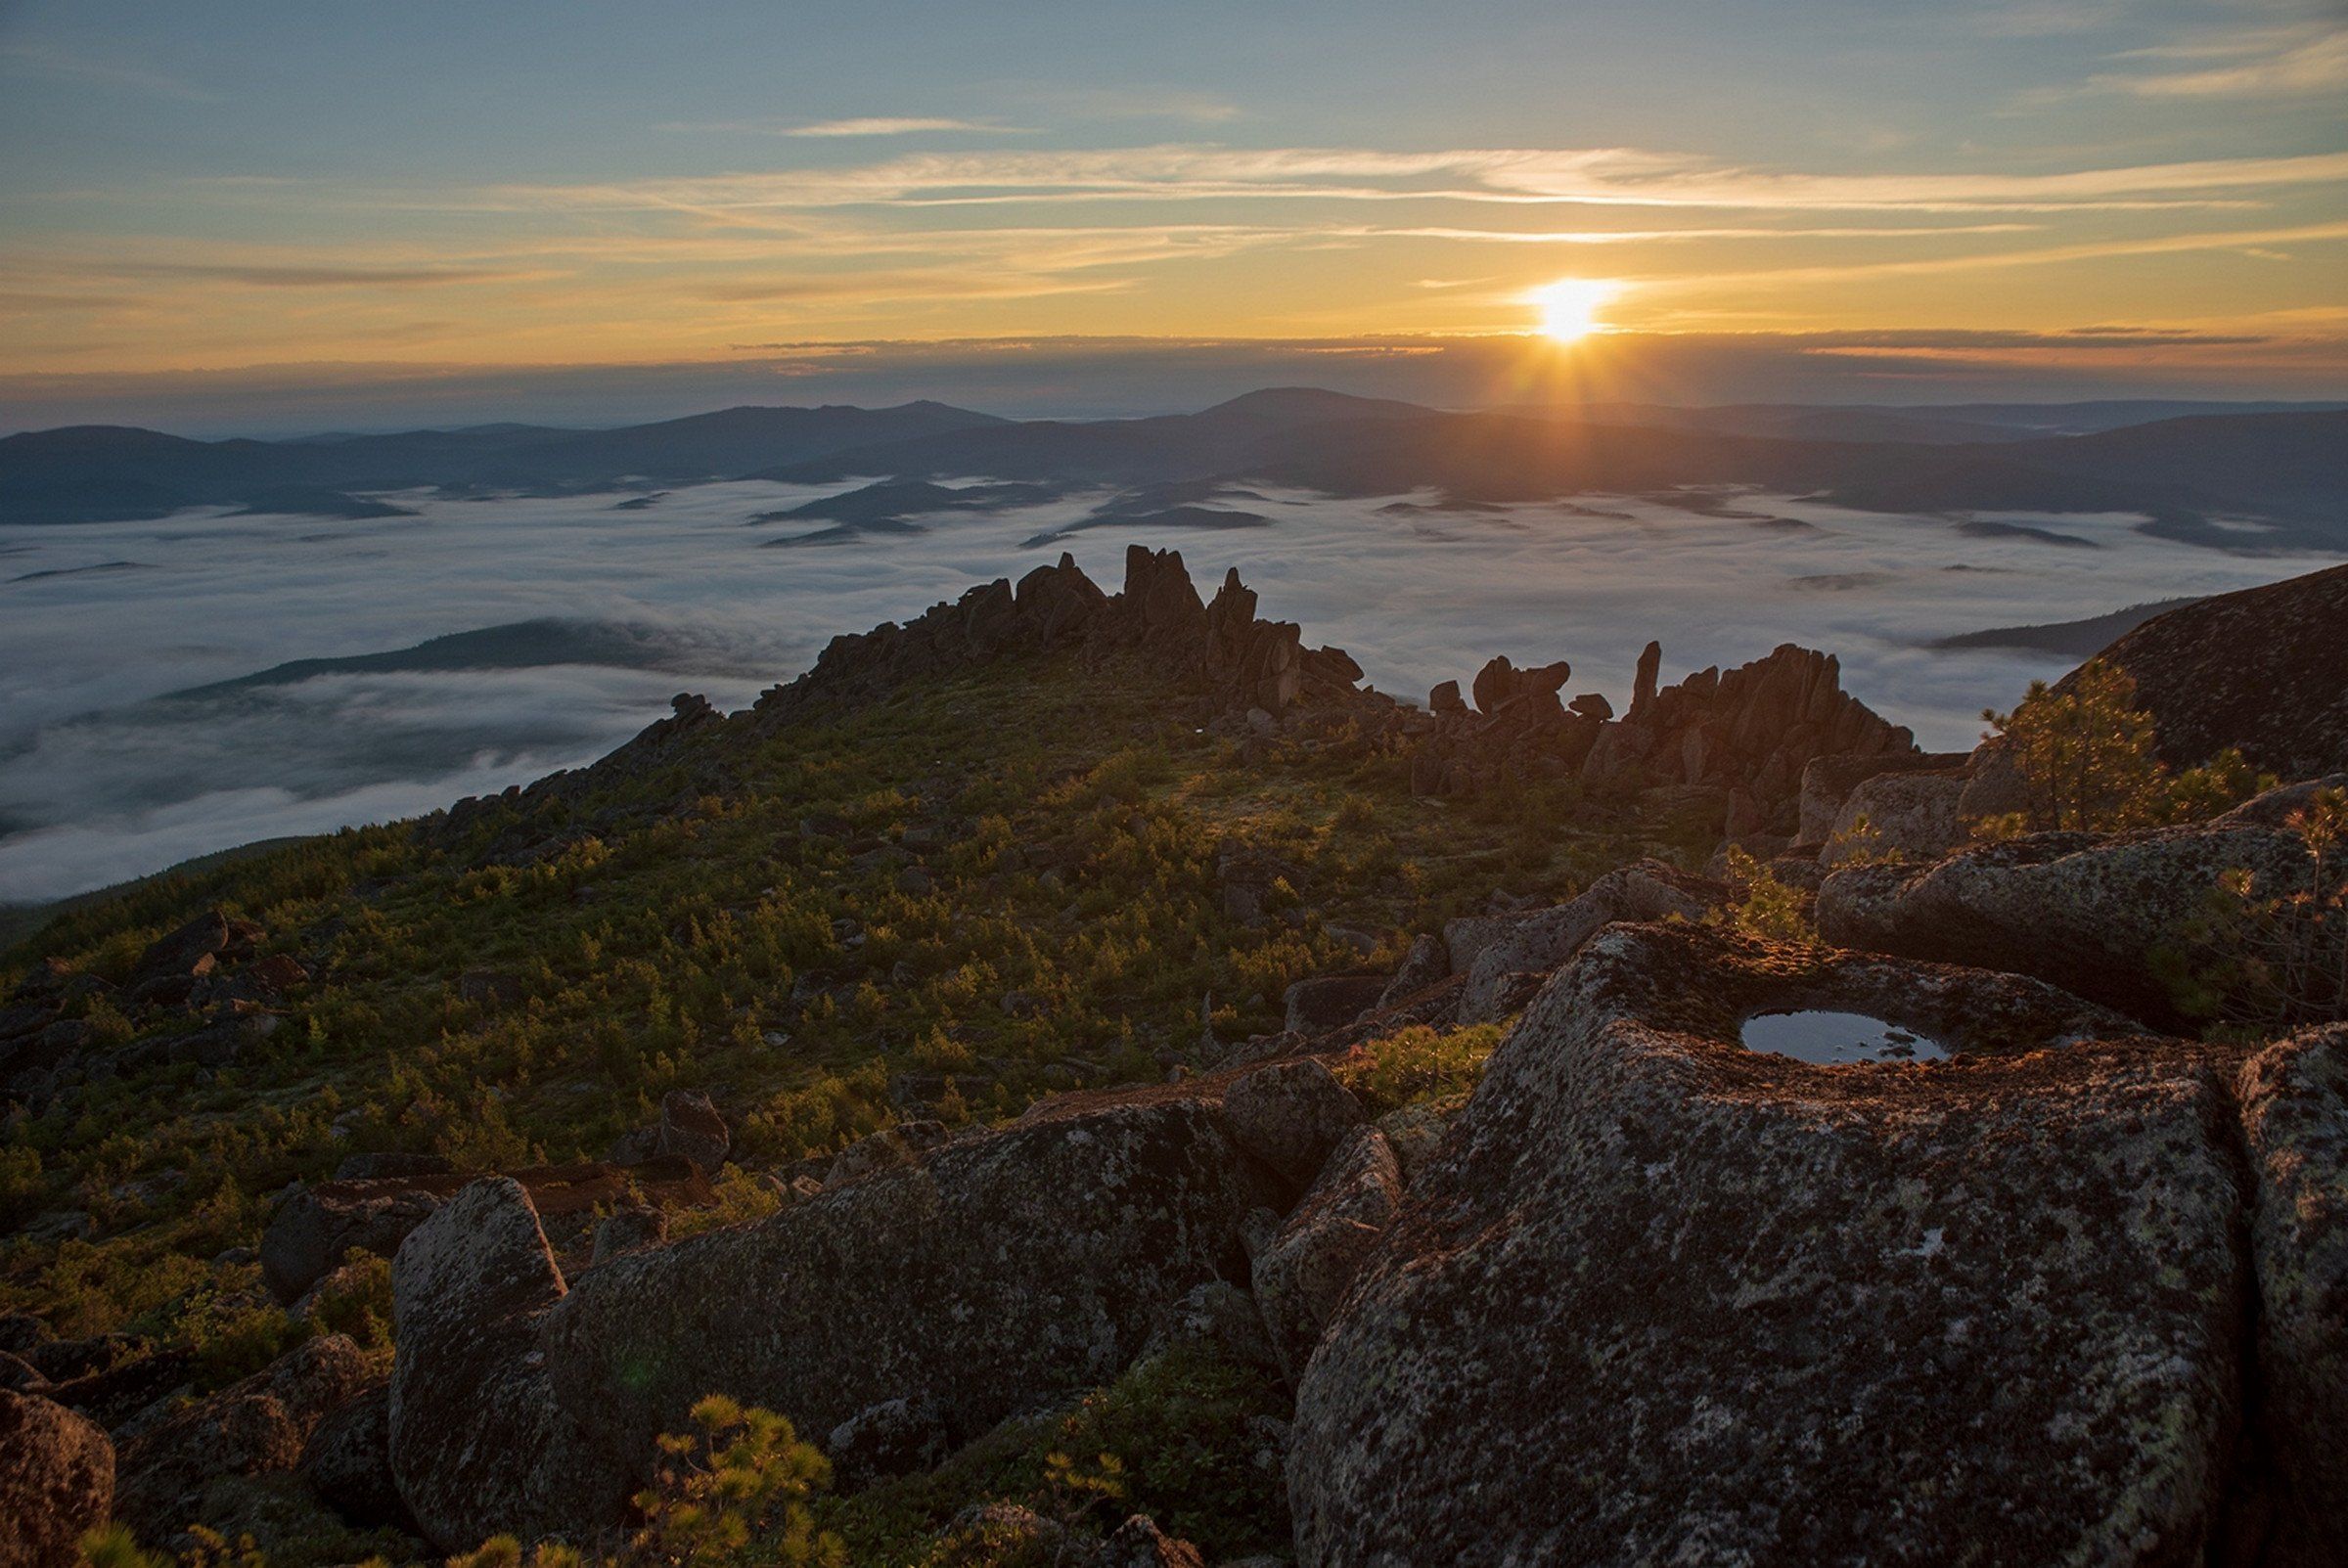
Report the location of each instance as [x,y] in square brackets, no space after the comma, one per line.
[2088,764]
[1417,1064]
[739,1475]
[2268,954]
[1761,906]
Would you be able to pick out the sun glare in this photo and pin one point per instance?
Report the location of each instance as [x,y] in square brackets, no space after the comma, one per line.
[1569,307]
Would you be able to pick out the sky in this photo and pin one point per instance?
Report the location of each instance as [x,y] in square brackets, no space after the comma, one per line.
[300,213]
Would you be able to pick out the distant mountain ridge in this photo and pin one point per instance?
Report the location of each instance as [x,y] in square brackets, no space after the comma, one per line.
[2282,470]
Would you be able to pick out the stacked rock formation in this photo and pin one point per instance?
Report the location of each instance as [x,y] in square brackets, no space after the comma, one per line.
[1747,733]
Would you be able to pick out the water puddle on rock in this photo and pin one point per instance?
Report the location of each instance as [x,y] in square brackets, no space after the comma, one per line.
[1833,1039]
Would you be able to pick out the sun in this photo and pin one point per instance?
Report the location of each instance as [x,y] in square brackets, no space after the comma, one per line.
[1569,307]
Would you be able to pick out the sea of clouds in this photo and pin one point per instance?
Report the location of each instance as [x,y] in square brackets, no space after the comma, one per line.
[104,774]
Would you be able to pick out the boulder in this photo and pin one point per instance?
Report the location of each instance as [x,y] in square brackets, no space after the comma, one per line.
[1908,815]
[1665,1299]
[1301,1273]
[1216,1314]
[1290,1115]
[1416,1132]
[316,1228]
[347,1463]
[2105,917]
[1538,941]
[891,1438]
[259,1426]
[1499,682]
[56,1481]
[1427,963]
[190,950]
[1315,1007]
[988,1275]
[115,1393]
[691,1127]
[1827,782]
[478,1444]
[2294,1105]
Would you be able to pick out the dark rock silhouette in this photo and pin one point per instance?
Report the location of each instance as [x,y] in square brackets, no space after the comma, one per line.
[2265,670]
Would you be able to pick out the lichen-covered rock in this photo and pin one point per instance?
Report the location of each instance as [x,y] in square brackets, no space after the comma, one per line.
[2294,1100]
[478,1444]
[1414,1132]
[1827,783]
[1664,1299]
[255,1427]
[1911,814]
[1538,942]
[1218,1315]
[1301,1273]
[1290,1114]
[56,1481]
[2102,916]
[348,1462]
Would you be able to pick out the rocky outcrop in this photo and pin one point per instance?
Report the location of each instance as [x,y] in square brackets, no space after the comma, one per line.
[1240,660]
[57,1482]
[255,1427]
[1745,734]
[1493,951]
[478,1443]
[2107,917]
[2294,1098]
[1301,1271]
[1662,1298]
[2265,670]
[987,1276]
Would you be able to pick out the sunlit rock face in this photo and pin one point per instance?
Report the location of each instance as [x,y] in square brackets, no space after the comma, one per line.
[2101,915]
[1666,1298]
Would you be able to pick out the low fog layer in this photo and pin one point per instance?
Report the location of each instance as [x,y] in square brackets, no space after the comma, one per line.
[108,771]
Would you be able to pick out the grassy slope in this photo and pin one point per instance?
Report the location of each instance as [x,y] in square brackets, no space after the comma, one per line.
[1089,818]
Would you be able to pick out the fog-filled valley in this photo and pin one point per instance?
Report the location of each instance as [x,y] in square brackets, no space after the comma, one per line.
[179,685]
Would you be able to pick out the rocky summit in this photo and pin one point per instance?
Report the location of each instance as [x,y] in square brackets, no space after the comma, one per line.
[1079,1078]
